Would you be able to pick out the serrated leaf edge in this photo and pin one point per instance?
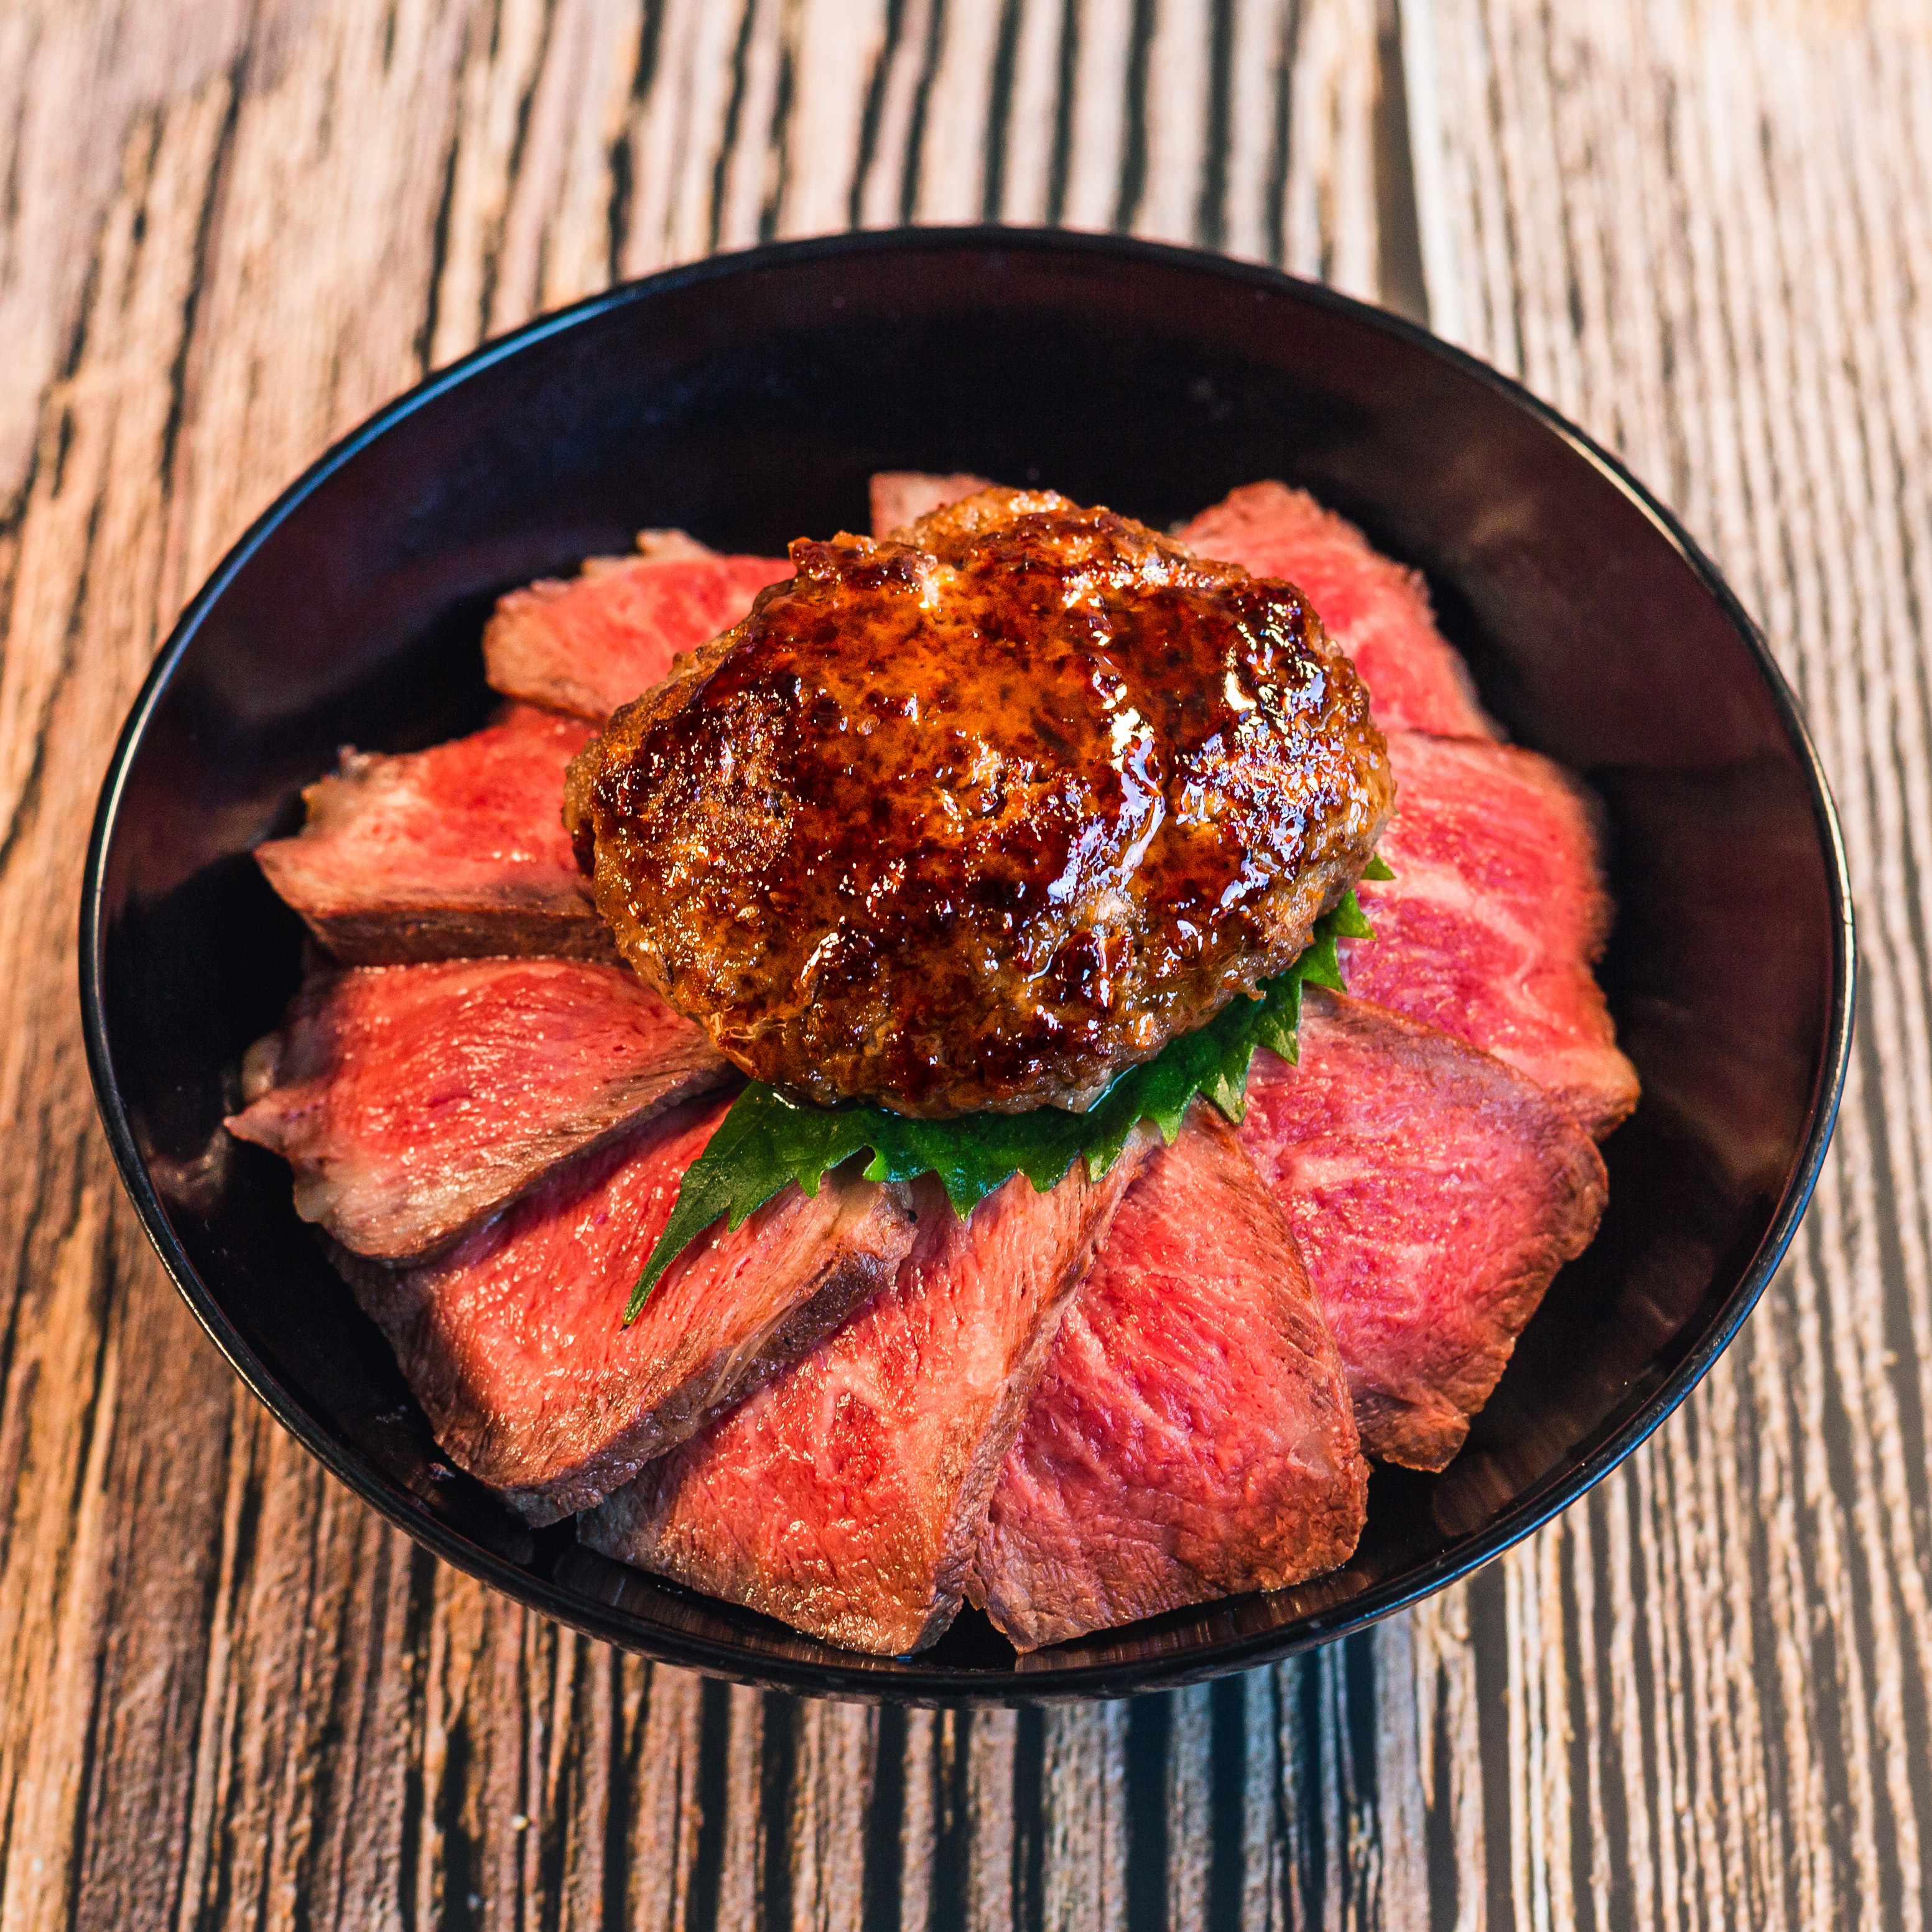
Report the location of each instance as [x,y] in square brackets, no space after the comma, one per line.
[1273,1020]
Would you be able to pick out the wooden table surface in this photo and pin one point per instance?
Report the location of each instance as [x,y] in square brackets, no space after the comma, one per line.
[228,229]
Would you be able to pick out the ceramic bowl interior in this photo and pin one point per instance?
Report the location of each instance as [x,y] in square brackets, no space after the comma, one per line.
[748,400]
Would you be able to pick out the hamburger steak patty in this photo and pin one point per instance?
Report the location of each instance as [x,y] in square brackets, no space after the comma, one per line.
[981,819]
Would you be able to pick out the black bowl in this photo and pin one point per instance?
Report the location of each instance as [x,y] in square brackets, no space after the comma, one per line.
[747,399]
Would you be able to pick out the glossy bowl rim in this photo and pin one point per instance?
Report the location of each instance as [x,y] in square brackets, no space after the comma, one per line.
[907,1681]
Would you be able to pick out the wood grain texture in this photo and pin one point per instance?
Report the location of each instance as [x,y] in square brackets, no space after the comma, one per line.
[236,1697]
[1702,232]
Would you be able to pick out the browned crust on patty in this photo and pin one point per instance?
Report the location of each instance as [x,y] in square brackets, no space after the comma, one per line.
[980,820]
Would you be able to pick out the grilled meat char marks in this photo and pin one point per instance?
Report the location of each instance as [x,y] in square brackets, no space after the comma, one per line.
[513,1340]
[413,1101]
[456,851]
[848,1496]
[1376,611]
[1433,1193]
[1191,1437]
[978,821]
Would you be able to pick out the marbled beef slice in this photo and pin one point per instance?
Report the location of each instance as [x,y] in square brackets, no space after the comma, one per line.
[593,642]
[413,1101]
[1192,1436]
[1494,918]
[457,851]
[513,1342]
[1433,1193]
[847,1497]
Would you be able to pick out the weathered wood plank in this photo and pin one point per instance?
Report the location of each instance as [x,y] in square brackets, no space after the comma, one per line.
[1083,1786]
[1689,228]
[240,1698]
[88,1318]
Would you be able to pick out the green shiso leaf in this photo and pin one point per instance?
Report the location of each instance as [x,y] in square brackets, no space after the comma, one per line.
[766,1141]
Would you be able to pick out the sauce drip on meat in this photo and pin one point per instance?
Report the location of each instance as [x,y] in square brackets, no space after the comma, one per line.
[979,819]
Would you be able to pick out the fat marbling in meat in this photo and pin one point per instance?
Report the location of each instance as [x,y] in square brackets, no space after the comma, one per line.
[513,1339]
[1192,1436]
[413,1102]
[846,1497]
[1433,1193]
[1494,918]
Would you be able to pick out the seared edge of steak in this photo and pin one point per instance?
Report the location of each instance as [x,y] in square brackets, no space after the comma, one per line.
[848,1498]
[398,933]
[532,1385]
[413,1102]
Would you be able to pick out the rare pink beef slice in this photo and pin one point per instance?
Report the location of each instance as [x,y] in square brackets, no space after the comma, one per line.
[1494,918]
[1433,1193]
[1192,1436]
[458,850]
[1379,611]
[594,643]
[514,1341]
[902,496]
[847,1497]
[414,1101]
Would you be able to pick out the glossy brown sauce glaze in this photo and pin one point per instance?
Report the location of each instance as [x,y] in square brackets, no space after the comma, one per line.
[981,819]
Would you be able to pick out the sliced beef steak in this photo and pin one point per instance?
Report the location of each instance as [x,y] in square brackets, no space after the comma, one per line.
[414,1101]
[514,1341]
[1495,917]
[847,1497]
[1192,1436]
[458,850]
[902,496]
[1374,609]
[1433,1193]
[593,643]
